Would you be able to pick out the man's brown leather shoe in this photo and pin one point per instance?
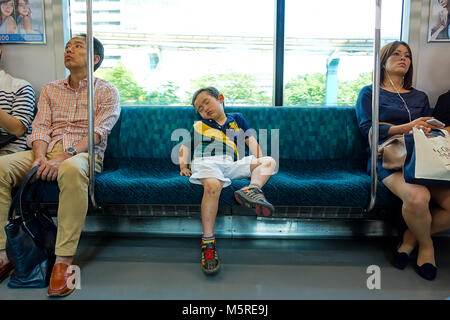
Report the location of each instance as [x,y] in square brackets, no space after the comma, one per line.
[5,271]
[58,281]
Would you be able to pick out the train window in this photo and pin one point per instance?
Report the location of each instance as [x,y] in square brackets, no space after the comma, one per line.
[329,49]
[170,48]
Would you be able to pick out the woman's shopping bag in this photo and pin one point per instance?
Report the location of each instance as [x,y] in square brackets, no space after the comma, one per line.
[427,159]
[30,243]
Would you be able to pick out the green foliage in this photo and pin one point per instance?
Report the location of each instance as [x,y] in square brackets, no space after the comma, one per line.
[238,88]
[129,90]
[309,90]
[132,94]
[166,95]
[348,90]
[305,90]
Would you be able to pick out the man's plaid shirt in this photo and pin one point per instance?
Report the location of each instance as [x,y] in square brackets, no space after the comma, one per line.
[62,114]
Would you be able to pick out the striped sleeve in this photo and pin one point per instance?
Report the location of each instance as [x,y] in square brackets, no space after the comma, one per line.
[23,106]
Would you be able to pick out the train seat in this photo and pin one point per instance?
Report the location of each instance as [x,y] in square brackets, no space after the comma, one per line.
[321,158]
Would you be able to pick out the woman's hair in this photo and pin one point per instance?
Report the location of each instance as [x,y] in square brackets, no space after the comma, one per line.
[213,92]
[386,52]
[4,1]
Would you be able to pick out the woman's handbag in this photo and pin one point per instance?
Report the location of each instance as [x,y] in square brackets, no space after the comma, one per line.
[427,160]
[30,244]
[392,151]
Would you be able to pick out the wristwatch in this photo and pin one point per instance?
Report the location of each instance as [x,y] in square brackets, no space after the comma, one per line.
[72,151]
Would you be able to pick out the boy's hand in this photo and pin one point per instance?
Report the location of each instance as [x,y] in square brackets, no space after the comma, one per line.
[185,172]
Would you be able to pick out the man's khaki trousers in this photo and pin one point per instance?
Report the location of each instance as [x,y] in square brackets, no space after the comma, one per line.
[73,181]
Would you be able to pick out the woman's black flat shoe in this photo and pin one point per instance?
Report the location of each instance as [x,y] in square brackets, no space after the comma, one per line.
[401,259]
[427,271]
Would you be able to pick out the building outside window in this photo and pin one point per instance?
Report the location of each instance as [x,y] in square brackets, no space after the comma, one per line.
[168,49]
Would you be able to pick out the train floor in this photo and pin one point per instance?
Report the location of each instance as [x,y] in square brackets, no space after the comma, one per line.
[131,267]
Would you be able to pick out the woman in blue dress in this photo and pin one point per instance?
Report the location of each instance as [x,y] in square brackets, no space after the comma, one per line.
[401,108]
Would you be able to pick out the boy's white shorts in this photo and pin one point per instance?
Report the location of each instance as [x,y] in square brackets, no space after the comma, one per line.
[222,168]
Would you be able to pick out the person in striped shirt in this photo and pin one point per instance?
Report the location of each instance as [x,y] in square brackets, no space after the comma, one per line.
[59,142]
[17,104]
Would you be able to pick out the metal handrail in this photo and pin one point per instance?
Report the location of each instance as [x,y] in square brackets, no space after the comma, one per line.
[91,101]
[375,107]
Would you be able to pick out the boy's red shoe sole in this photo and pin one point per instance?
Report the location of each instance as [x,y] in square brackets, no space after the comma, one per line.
[260,210]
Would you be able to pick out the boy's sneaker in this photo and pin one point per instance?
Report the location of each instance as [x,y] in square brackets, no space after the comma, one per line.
[253,197]
[210,258]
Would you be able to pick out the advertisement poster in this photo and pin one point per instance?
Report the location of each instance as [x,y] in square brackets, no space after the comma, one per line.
[439,21]
[22,21]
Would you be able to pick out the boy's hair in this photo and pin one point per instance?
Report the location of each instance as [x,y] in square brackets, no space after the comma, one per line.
[98,49]
[213,92]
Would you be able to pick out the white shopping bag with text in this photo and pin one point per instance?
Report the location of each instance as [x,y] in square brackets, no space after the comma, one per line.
[432,155]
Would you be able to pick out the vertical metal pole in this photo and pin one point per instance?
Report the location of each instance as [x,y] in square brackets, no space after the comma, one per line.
[375,107]
[279,53]
[91,100]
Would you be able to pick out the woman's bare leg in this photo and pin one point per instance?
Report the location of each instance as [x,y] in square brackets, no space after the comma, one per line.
[416,213]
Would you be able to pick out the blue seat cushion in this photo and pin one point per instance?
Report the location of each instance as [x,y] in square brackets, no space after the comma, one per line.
[298,183]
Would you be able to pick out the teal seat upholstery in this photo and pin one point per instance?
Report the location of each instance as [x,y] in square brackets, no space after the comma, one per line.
[320,151]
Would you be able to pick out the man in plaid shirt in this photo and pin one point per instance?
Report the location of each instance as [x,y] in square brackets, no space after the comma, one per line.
[59,142]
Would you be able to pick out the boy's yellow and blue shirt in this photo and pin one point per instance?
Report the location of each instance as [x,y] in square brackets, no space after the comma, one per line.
[208,138]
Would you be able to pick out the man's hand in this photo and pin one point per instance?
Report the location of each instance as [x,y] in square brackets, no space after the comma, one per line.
[48,170]
[39,161]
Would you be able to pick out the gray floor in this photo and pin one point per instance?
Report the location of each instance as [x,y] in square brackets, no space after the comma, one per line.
[131,267]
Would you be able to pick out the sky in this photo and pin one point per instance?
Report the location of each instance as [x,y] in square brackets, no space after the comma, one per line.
[304,18]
